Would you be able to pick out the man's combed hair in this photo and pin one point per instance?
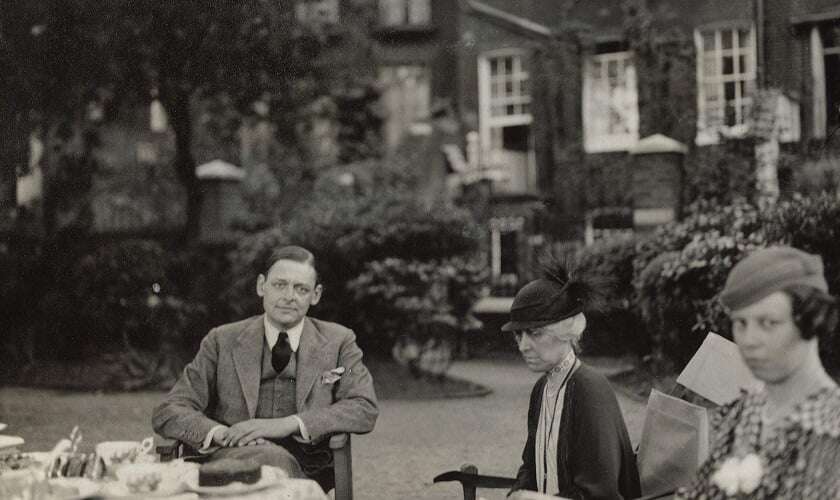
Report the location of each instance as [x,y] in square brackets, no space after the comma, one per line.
[293,253]
[815,312]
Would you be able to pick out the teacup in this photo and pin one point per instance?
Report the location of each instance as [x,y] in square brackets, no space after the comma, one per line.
[124,452]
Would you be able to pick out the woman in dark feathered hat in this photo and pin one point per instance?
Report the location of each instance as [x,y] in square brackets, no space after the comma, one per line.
[577,446]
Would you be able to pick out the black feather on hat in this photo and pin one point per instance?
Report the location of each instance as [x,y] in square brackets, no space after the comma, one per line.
[558,295]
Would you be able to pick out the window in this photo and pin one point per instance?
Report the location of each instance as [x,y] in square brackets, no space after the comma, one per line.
[825,70]
[317,12]
[406,95]
[404,12]
[505,119]
[610,103]
[726,81]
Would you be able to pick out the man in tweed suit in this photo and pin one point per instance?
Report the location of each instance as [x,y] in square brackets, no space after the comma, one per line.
[273,387]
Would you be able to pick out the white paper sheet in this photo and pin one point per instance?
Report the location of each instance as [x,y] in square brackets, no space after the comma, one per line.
[717,372]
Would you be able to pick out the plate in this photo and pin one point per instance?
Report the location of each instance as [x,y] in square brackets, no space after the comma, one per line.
[270,476]
[173,477]
[10,441]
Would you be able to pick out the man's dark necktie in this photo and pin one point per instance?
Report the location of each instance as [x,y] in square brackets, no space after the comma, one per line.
[281,353]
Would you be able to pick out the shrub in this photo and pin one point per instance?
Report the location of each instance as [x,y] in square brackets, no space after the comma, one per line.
[135,310]
[417,306]
[682,269]
[813,224]
[348,228]
[680,273]
[618,329]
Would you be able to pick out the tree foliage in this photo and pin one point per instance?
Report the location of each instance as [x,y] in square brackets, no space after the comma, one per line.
[60,56]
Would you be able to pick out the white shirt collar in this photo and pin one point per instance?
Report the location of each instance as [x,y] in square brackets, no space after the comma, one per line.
[271,333]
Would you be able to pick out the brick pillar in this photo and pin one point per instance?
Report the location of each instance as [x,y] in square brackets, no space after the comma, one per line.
[221,201]
[657,181]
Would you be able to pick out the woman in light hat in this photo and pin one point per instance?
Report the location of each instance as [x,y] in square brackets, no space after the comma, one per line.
[784,440]
[577,445]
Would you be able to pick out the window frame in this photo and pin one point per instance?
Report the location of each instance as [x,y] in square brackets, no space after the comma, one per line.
[820,85]
[508,225]
[406,12]
[707,134]
[488,122]
[601,142]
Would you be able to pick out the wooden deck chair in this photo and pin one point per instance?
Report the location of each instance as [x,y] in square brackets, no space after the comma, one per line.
[339,444]
[471,480]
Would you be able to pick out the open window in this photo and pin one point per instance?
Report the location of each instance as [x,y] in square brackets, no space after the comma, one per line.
[505,119]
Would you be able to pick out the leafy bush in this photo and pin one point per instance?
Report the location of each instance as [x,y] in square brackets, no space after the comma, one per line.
[681,270]
[813,224]
[618,329]
[136,309]
[417,308]
[348,228]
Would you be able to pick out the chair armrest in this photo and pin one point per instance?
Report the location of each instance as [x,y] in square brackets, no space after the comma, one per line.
[470,480]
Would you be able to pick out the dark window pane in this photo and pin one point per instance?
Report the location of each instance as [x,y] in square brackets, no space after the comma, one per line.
[832,87]
[729,90]
[516,138]
[728,68]
[509,258]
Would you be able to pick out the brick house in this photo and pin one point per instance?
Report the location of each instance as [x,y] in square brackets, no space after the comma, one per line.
[551,97]
[560,94]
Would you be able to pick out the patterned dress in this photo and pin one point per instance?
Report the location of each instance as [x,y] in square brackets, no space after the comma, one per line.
[799,460]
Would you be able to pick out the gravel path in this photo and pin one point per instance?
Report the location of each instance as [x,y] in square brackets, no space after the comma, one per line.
[416,440]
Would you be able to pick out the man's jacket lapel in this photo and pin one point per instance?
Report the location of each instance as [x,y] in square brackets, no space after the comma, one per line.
[247,357]
[310,361]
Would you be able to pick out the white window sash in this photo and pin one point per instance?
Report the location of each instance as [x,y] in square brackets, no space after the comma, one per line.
[820,117]
[495,252]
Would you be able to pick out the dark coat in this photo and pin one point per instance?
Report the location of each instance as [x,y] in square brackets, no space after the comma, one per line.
[595,459]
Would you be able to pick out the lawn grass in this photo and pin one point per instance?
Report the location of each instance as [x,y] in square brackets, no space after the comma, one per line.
[43,415]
